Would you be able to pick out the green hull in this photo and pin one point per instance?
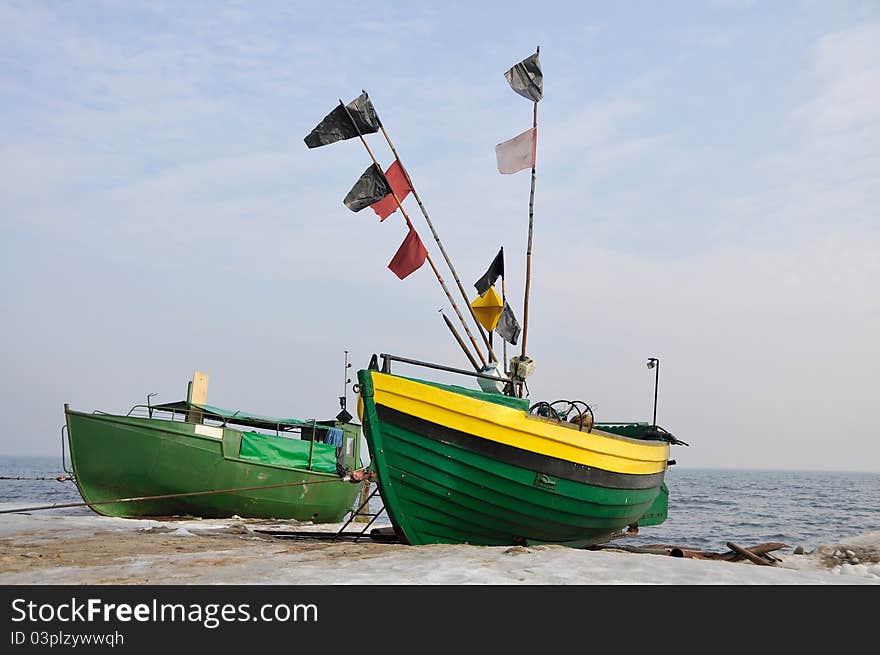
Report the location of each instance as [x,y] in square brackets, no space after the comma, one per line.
[439,488]
[127,457]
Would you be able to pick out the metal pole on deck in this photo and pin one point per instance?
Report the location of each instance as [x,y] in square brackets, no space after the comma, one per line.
[312,445]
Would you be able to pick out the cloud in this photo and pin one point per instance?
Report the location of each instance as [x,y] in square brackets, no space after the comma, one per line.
[847,64]
[161,213]
[829,178]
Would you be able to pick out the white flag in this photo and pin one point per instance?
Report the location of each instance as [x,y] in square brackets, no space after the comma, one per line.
[517,153]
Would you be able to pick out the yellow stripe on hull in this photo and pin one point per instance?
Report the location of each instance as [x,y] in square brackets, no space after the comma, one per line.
[516,428]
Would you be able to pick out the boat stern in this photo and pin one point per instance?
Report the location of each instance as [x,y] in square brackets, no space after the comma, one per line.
[659,509]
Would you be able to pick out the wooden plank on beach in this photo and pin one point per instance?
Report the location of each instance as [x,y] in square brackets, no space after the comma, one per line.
[758,554]
[762,549]
[748,554]
[377,535]
[628,549]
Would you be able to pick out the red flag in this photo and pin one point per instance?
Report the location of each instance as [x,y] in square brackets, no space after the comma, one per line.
[399,184]
[409,257]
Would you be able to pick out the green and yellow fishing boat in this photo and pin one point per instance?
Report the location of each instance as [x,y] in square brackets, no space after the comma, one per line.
[193,459]
[487,467]
[458,465]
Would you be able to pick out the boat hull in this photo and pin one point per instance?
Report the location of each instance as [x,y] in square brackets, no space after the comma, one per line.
[454,467]
[131,457]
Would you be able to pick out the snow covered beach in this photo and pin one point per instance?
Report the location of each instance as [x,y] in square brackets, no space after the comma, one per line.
[54,548]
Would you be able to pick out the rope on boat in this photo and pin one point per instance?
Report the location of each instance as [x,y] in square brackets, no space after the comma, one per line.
[135,499]
[60,478]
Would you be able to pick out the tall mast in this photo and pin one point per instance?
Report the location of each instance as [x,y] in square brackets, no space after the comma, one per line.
[411,227]
[439,243]
[525,331]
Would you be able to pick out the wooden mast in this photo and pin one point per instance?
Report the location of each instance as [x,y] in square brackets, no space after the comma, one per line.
[437,239]
[459,340]
[525,331]
[411,227]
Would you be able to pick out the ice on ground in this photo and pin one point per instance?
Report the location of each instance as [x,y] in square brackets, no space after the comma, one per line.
[91,549]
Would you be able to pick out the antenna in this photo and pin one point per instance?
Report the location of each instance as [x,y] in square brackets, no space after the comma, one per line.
[343,416]
[343,399]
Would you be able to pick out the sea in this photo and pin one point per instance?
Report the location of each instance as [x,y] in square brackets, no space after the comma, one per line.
[707,507]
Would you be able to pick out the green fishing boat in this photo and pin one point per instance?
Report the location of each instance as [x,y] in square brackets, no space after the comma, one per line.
[458,465]
[487,466]
[192,459]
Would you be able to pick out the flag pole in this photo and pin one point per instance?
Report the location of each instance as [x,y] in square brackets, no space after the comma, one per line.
[411,227]
[525,331]
[503,340]
[460,340]
[437,239]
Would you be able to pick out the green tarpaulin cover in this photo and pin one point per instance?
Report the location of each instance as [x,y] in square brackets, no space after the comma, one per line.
[283,451]
[239,416]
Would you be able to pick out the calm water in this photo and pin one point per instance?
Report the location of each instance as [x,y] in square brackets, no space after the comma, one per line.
[707,508]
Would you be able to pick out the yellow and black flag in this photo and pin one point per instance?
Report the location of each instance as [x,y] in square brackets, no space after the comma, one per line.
[492,311]
[488,308]
[496,269]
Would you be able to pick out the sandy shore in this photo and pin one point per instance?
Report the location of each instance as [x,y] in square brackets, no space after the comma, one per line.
[46,548]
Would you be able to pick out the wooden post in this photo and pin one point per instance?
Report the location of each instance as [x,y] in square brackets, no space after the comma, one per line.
[197,392]
[365,493]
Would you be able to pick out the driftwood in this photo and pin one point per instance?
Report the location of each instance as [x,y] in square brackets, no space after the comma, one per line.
[683,551]
[756,554]
[764,550]
[748,554]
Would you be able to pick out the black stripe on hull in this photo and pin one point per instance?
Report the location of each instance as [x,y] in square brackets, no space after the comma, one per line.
[554,466]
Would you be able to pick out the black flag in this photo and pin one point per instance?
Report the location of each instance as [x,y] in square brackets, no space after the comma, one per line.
[371,187]
[508,326]
[527,79]
[337,126]
[496,268]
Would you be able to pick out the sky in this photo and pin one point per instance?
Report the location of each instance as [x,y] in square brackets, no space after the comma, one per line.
[708,178]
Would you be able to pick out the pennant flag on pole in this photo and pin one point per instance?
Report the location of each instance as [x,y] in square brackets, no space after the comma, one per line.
[337,126]
[370,187]
[496,268]
[487,309]
[401,187]
[517,153]
[527,79]
[508,327]
[409,257]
